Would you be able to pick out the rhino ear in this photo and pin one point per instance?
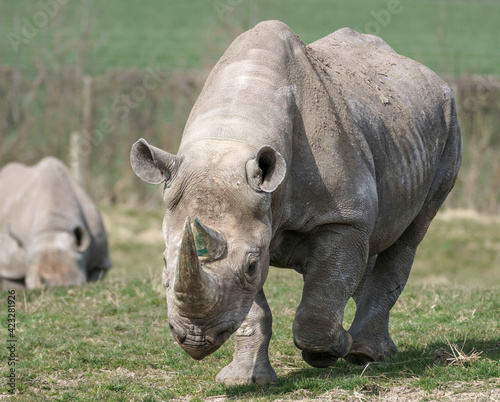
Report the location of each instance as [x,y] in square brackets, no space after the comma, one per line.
[267,170]
[151,164]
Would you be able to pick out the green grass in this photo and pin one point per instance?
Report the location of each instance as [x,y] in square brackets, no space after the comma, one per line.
[460,248]
[136,241]
[447,36]
[111,341]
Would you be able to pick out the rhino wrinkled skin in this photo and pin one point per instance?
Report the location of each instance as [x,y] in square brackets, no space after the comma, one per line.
[331,159]
[51,233]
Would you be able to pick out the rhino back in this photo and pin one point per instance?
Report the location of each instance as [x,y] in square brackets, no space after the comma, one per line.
[404,112]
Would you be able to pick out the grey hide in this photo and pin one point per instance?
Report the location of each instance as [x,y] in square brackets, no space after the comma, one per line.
[331,159]
[51,233]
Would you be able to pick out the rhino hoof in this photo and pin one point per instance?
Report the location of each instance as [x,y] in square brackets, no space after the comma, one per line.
[362,354]
[246,374]
[319,360]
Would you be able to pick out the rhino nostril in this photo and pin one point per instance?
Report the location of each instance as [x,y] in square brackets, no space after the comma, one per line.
[223,336]
[219,339]
[180,336]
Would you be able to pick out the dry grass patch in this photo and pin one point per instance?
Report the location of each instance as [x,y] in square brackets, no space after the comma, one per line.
[456,356]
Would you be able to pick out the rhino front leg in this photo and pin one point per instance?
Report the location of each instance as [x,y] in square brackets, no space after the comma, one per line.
[336,261]
[251,359]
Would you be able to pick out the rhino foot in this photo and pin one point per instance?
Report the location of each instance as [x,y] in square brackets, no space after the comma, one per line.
[246,373]
[314,356]
[362,353]
[319,360]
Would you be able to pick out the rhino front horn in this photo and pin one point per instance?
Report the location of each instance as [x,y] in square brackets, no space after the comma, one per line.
[210,244]
[195,290]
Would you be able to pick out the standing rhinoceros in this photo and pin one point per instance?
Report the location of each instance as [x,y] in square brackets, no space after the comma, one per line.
[51,232]
[330,158]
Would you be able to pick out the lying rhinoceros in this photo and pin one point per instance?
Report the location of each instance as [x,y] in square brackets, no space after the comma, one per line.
[330,158]
[51,232]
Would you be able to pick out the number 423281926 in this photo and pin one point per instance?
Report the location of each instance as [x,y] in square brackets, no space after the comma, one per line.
[11,310]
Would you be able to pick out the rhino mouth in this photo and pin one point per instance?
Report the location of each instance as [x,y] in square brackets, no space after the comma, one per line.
[199,345]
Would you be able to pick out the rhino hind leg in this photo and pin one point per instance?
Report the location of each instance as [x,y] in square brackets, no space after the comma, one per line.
[251,359]
[381,288]
[361,351]
[388,272]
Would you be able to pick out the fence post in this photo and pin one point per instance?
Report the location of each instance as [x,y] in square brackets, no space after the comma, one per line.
[75,153]
[85,155]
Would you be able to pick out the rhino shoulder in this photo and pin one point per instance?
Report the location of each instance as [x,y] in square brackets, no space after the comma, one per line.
[12,170]
[50,161]
[272,29]
[347,40]
[50,165]
[271,35]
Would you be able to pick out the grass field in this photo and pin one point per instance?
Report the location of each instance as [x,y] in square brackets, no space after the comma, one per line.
[448,36]
[111,341]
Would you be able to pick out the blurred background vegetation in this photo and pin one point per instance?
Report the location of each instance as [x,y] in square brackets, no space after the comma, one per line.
[96,75]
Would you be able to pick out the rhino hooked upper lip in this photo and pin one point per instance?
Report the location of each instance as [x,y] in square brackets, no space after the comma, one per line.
[199,344]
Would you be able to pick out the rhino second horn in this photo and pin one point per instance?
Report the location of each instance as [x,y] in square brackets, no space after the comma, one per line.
[210,244]
[195,290]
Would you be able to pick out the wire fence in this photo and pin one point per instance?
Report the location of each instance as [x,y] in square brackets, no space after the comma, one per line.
[138,62]
[111,111]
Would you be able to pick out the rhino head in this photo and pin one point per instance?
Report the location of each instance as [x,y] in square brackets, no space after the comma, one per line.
[57,259]
[50,258]
[217,230]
